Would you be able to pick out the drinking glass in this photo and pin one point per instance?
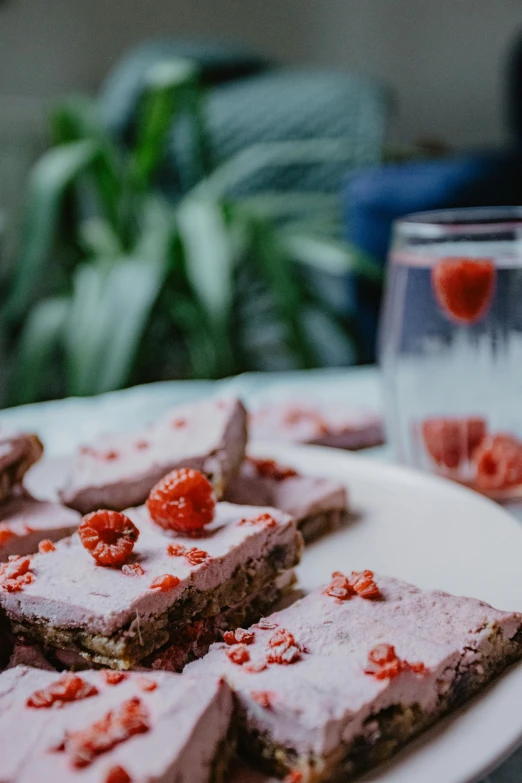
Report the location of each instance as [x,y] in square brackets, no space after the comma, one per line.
[451,346]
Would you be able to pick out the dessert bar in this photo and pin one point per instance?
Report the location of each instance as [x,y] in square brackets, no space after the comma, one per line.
[105,727]
[340,680]
[18,451]
[26,523]
[317,504]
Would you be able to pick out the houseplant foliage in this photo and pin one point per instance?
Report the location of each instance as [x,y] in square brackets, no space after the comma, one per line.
[116,284]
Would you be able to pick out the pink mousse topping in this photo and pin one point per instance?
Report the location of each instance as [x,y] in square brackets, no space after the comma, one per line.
[177,726]
[320,693]
[119,470]
[265,483]
[70,590]
[24,522]
[305,422]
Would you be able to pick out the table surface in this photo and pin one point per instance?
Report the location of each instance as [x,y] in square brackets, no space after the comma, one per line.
[63,424]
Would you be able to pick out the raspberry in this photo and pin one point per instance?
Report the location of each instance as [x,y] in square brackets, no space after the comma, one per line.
[239,636]
[118,775]
[464,288]
[364,585]
[450,442]
[183,501]
[108,536]
[132,569]
[113,678]
[268,468]
[239,654]
[339,587]
[178,424]
[265,699]
[103,735]
[196,556]
[499,463]
[295,776]
[282,648]
[176,550]
[67,689]
[15,574]
[145,684]
[384,664]
[267,520]
[46,546]
[165,582]
[5,534]
[141,445]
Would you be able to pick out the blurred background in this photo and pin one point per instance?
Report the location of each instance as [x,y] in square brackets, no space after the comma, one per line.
[194,190]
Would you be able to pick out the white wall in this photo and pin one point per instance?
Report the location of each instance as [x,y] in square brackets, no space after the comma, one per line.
[443,58]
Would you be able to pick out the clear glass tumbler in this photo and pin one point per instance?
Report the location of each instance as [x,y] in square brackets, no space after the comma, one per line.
[451,346]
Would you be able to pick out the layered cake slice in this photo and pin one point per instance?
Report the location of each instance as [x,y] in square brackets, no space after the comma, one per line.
[340,680]
[100,728]
[317,504]
[119,471]
[133,593]
[26,524]
[18,451]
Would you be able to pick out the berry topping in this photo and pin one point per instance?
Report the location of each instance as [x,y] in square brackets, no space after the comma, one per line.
[384,664]
[68,688]
[118,775]
[464,288]
[269,468]
[255,668]
[178,424]
[141,445]
[108,536]
[239,654]
[196,556]
[265,699]
[499,463]
[112,677]
[339,587]
[110,455]
[46,546]
[359,583]
[165,582]
[183,501]
[117,726]
[176,550]
[295,776]
[15,574]
[450,442]
[5,534]
[132,569]
[282,648]
[145,684]
[239,636]
[265,625]
[267,520]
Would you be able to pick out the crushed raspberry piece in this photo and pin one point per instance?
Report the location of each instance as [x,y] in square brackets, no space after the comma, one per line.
[450,442]
[464,288]
[269,468]
[239,654]
[239,636]
[109,456]
[196,556]
[364,585]
[499,463]
[108,536]
[67,689]
[132,569]
[103,735]
[183,501]
[295,776]
[384,664]
[340,587]
[112,677]
[265,699]
[15,574]
[46,546]
[255,668]
[165,582]
[118,775]
[267,520]
[6,534]
[265,625]
[176,550]
[178,424]
[145,684]
[141,445]
[282,648]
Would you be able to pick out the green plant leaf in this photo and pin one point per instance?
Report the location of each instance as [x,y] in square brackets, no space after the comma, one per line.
[50,178]
[329,255]
[41,335]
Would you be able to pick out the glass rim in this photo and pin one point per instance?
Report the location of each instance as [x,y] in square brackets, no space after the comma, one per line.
[459,221]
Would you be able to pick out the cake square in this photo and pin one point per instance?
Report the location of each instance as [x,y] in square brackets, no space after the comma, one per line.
[25,522]
[94,729]
[133,616]
[119,470]
[18,451]
[317,504]
[343,678]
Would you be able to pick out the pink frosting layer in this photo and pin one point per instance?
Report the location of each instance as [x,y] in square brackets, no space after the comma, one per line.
[70,590]
[299,496]
[120,470]
[324,698]
[29,521]
[188,719]
[305,422]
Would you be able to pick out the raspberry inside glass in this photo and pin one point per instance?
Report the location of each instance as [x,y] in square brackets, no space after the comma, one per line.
[108,536]
[464,287]
[183,501]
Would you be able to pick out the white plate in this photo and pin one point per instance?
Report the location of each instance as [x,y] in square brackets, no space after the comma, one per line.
[437,535]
